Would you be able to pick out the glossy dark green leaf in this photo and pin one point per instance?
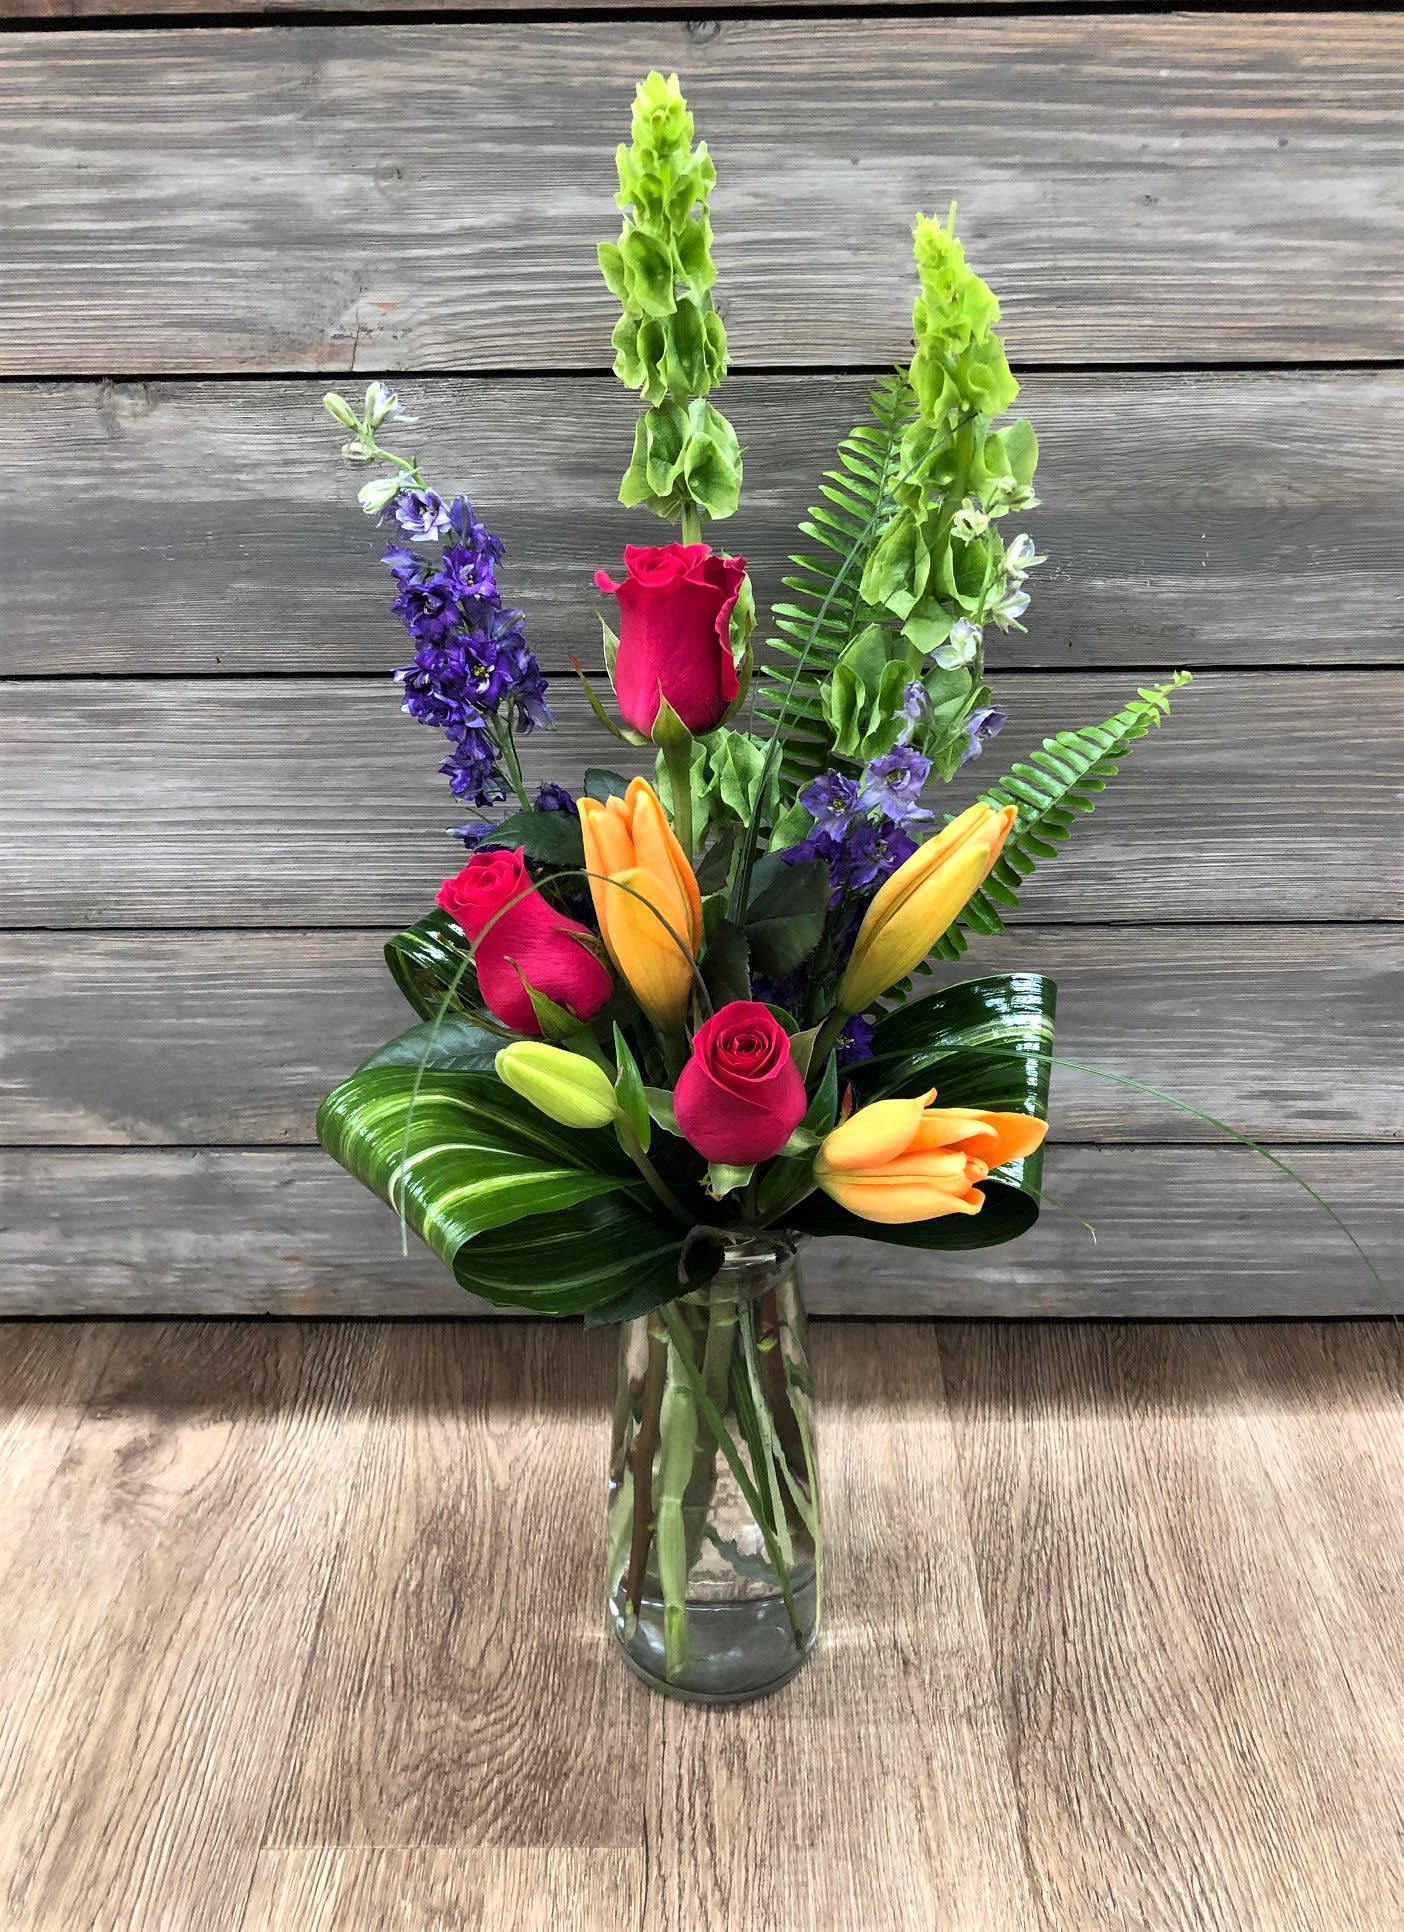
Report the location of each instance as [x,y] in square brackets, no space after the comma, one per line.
[603,785]
[552,838]
[786,913]
[726,968]
[714,868]
[456,1045]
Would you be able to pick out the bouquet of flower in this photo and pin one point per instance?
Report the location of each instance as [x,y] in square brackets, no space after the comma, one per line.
[672,1023]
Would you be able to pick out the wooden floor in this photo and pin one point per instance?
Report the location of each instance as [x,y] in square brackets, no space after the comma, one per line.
[300,1632]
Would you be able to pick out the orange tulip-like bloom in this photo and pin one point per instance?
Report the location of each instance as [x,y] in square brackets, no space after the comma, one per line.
[906,1160]
[630,840]
[920,901]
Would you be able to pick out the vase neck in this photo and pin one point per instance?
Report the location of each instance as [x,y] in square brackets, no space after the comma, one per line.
[751,1263]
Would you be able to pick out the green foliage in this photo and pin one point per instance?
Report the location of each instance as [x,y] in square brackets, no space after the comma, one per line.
[826,613]
[1059,781]
[431,963]
[552,838]
[984,1043]
[522,1211]
[786,913]
[910,568]
[669,342]
[449,1043]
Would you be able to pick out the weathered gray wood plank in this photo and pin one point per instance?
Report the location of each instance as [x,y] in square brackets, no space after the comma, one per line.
[212,1038]
[312,802]
[1181,1231]
[1218,520]
[179,10]
[1214,187]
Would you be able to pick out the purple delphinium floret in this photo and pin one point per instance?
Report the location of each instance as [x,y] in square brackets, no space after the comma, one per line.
[895,782]
[419,513]
[831,801]
[980,726]
[874,852]
[473,676]
[855,1043]
[555,798]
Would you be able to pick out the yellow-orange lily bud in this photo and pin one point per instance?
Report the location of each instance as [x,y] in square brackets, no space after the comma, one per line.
[907,1160]
[919,901]
[630,840]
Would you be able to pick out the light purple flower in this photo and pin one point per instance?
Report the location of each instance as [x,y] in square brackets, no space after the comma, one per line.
[980,726]
[895,782]
[420,514]
[832,801]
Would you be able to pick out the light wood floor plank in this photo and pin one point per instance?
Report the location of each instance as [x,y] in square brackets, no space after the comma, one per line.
[157,1623]
[460,1693]
[300,1633]
[875,1790]
[487,1889]
[47,1379]
[1188,1751]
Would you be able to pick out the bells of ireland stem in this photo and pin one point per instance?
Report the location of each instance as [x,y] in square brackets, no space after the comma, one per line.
[918,903]
[566,1087]
[646,899]
[907,1160]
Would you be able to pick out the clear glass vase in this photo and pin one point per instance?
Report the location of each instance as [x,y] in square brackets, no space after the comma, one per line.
[715,1543]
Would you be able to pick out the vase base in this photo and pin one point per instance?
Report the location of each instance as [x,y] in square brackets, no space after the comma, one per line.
[737,1651]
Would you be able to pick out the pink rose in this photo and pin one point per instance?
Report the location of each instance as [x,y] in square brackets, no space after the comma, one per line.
[530,942]
[740,1096]
[675,605]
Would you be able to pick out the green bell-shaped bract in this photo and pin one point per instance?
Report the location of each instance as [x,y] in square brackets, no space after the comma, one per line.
[669,343]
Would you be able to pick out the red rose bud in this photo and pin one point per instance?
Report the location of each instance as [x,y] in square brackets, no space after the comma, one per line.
[740,1096]
[675,605]
[531,942]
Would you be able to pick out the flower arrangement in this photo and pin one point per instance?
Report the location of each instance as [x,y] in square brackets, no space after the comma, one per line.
[672,1023]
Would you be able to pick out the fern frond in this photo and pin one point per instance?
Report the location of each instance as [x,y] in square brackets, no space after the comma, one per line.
[1060,780]
[824,611]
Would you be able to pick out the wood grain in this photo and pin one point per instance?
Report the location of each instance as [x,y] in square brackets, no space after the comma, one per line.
[158,1619]
[1214,187]
[44,1393]
[168,1038]
[1173,1674]
[891,1839]
[1209,520]
[463,1718]
[1108,1640]
[575,1888]
[306,802]
[179,10]
[1180,1232]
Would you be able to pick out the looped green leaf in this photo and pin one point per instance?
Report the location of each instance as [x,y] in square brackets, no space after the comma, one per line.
[522,1211]
[984,1043]
[431,963]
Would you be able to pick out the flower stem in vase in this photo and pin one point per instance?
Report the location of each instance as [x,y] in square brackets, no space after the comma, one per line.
[716,1372]
[645,1446]
[678,1439]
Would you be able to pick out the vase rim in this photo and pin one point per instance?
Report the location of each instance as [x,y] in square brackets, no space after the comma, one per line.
[750,1257]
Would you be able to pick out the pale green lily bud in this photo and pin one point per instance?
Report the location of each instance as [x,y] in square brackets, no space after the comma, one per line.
[564,1086]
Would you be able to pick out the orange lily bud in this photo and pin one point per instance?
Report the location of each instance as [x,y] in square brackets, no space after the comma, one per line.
[629,840]
[907,1160]
[919,902]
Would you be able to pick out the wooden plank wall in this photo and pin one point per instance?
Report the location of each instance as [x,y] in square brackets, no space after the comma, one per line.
[211,814]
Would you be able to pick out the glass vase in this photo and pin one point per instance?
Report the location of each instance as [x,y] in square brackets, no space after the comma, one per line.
[715,1543]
